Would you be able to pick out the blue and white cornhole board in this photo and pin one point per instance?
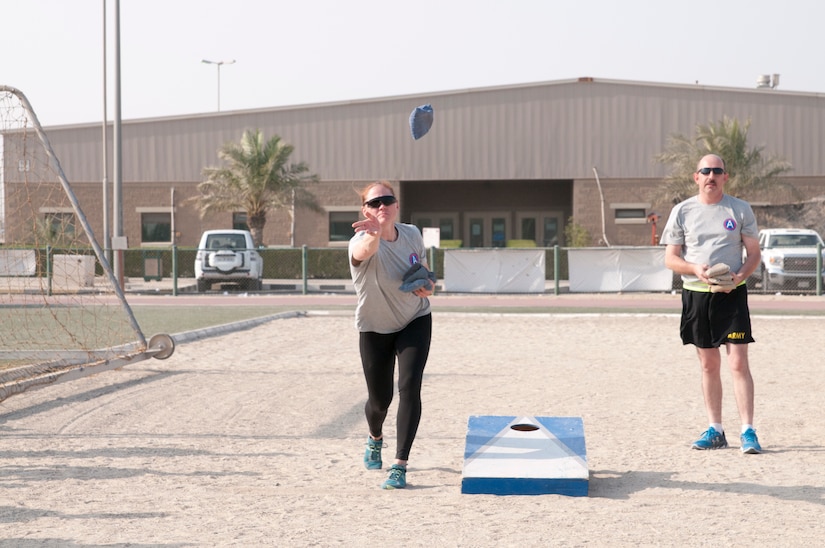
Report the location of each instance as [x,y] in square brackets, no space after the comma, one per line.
[525,456]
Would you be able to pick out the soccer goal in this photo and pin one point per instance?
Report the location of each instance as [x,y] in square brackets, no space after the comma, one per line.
[63,314]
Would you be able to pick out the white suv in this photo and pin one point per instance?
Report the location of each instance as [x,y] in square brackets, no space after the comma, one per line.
[228,256]
[788,259]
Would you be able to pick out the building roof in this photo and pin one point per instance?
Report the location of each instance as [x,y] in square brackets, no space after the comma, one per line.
[547,130]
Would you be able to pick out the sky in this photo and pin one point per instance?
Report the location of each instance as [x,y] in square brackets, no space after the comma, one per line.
[317,51]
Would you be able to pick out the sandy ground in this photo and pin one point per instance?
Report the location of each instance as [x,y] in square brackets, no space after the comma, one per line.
[255,438]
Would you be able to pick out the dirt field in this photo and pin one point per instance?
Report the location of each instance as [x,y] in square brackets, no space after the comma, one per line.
[255,438]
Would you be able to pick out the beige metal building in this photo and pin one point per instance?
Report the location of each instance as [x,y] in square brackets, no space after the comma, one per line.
[502,163]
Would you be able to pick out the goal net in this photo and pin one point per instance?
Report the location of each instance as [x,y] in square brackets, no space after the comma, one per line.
[62,312]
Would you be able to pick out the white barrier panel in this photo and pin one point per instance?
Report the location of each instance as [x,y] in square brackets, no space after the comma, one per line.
[17,262]
[494,270]
[613,269]
[73,270]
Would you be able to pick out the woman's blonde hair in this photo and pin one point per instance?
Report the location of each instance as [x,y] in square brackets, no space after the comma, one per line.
[364,191]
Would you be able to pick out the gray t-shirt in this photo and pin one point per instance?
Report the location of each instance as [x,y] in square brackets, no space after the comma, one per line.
[382,307]
[710,233]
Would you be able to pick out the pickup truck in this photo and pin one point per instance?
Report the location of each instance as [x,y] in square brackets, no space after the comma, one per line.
[228,256]
[788,259]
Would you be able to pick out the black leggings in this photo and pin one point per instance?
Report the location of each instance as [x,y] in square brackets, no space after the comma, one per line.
[378,352]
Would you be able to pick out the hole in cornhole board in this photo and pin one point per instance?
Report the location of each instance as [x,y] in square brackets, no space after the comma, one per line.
[524,427]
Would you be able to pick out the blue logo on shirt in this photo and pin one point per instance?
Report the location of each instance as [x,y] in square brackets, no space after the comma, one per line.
[414,258]
[730,224]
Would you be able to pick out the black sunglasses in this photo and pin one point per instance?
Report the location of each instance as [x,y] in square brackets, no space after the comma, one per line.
[715,170]
[375,203]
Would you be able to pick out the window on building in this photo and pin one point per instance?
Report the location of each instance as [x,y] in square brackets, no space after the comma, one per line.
[551,231]
[340,225]
[445,222]
[541,227]
[476,232]
[239,221]
[499,231]
[528,228]
[631,213]
[635,213]
[156,228]
[447,229]
[61,226]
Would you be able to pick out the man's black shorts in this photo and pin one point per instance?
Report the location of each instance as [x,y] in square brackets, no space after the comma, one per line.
[710,320]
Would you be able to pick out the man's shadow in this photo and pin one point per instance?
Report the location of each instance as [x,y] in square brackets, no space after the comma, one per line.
[617,485]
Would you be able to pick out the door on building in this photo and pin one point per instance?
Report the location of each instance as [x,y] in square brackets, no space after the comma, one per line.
[493,229]
[544,228]
[476,232]
[487,229]
[447,223]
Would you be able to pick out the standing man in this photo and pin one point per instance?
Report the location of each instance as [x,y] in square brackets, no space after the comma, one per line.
[704,230]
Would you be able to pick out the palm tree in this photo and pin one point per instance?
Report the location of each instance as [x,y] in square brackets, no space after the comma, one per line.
[753,176]
[257,178]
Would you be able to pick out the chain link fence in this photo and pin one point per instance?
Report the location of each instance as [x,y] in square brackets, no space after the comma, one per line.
[288,269]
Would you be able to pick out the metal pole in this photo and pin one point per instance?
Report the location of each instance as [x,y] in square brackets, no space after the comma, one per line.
[174,270]
[304,267]
[292,221]
[49,270]
[218,64]
[174,247]
[118,167]
[556,290]
[106,220]
[172,217]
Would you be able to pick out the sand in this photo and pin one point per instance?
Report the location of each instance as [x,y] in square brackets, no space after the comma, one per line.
[255,438]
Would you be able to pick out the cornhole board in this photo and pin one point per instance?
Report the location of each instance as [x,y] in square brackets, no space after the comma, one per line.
[510,455]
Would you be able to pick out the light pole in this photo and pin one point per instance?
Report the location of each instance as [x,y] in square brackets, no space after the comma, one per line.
[119,241]
[218,64]
[107,241]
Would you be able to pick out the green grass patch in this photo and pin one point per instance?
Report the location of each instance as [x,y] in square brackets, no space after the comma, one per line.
[179,319]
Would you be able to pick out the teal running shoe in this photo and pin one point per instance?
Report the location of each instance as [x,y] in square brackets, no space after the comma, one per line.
[750,443]
[397,479]
[711,439]
[372,456]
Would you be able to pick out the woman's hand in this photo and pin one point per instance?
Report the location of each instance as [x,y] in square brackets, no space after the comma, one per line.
[425,291]
[369,224]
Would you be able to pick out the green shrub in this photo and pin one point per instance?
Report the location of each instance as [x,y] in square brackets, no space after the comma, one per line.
[521,243]
[576,235]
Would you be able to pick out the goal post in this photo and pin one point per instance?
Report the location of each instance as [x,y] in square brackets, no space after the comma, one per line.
[63,314]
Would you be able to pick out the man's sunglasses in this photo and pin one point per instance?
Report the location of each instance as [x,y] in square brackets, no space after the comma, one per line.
[708,170]
[375,203]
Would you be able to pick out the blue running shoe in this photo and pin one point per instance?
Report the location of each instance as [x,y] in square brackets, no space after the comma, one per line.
[750,444]
[372,456]
[711,439]
[397,479]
